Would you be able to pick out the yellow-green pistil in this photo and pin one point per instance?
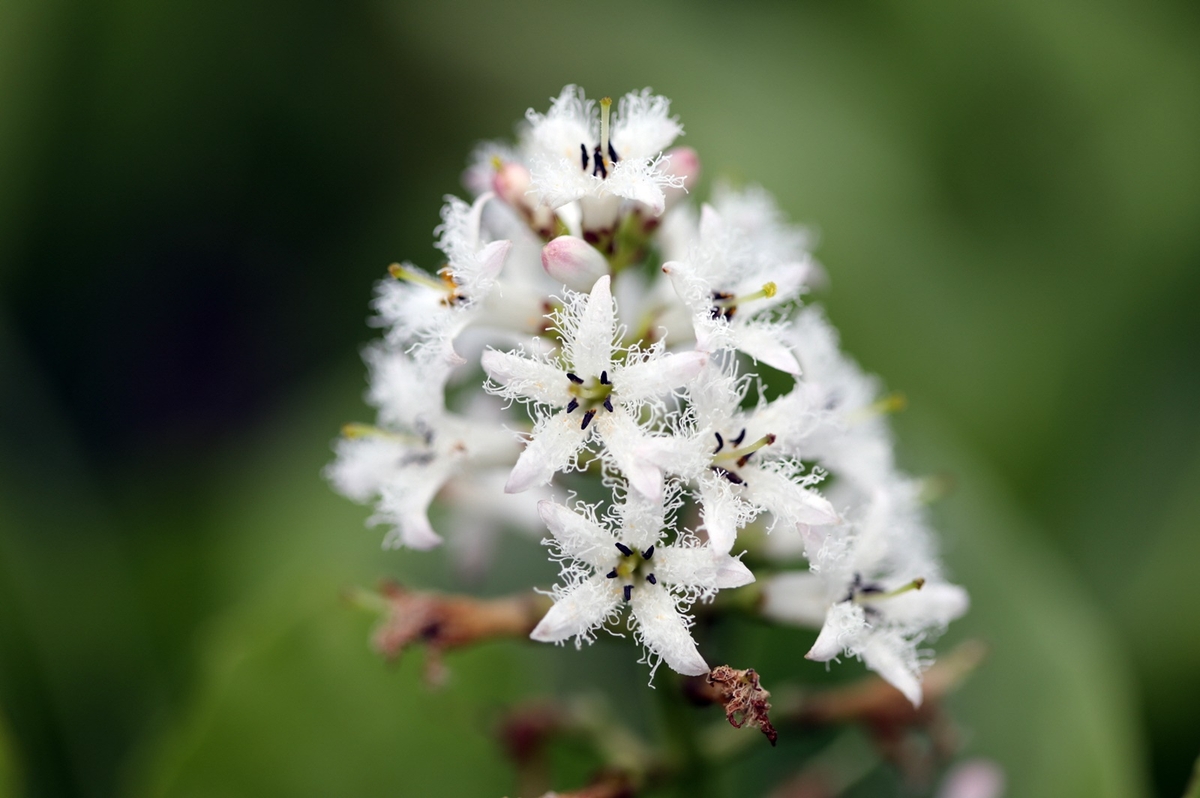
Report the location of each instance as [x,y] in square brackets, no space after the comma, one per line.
[591,395]
[632,566]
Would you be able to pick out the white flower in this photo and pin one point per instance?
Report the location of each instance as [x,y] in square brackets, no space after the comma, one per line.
[575,154]
[743,472]
[626,562]
[590,390]
[876,599]
[419,447]
[430,311]
[733,288]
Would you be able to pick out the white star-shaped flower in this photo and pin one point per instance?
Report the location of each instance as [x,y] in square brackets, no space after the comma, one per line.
[625,561]
[591,388]
[732,288]
[574,153]
[877,598]
[742,470]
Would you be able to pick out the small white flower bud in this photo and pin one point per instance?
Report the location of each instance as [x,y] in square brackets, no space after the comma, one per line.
[574,262]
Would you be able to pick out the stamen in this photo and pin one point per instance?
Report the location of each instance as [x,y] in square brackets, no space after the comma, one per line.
[624,549]
[587,418]
[574,378]
[648,553]
[741,437]
[720,443]
[650,578]
[574,403]
[583,154]
[598,164]
[876,593]
[612,154]
[608,403]
[497,164]
[612,574]
[628,592]
[604,377]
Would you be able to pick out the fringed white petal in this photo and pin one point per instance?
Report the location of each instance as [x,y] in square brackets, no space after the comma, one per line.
[578,610]
[664,631]
[552,448]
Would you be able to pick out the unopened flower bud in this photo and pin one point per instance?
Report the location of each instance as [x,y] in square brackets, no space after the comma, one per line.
[510,183]
[685,163]
[574,262]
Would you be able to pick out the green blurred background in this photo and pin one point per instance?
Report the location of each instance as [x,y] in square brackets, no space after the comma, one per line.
[196,197]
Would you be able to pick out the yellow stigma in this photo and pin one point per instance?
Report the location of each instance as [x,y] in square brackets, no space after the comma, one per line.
[497,164]
[769,290]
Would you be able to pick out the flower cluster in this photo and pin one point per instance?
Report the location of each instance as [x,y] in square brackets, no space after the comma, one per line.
[602,337]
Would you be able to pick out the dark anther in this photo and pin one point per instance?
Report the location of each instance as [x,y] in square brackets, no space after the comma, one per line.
[608,403]
[624,549]
[612,574]
[741,437]
[598,164]
[587,418]
[612,154]
[604,378]
[650,578]
[729,311]
[729,475]
[720,443]
[648,553]
[722,295]
[583,155]
[628,592]
[574,403]
[870,589]
[714,312]
[744,459]
[573,378]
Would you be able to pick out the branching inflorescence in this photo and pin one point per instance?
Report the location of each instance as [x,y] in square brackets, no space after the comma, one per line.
[654,357]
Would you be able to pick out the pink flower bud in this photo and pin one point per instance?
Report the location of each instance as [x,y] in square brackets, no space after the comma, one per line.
[574,262]
[685,163]
[510,183]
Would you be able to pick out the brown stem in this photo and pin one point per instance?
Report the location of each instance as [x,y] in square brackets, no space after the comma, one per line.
[443,622]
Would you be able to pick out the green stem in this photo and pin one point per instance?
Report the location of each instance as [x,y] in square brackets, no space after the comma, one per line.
[695,777]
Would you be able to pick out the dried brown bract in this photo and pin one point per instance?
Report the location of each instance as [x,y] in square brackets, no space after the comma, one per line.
[443,622]
[745,700]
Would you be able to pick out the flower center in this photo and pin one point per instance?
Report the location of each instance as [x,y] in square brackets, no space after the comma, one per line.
[725,304]
[591,395]
[868,594]
[603,155]
[724,460]
[632,567]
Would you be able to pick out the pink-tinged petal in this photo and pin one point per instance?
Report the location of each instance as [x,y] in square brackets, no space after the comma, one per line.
[532,379]
[652,378]
[417,533]
[797,597]
[893,659]
[700,566]
[574,262]
[844,624]
[977,778]
[663,630]
[763,344]
[578,537]
[578,610]
[553,445]
[491,259]
[591,349]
